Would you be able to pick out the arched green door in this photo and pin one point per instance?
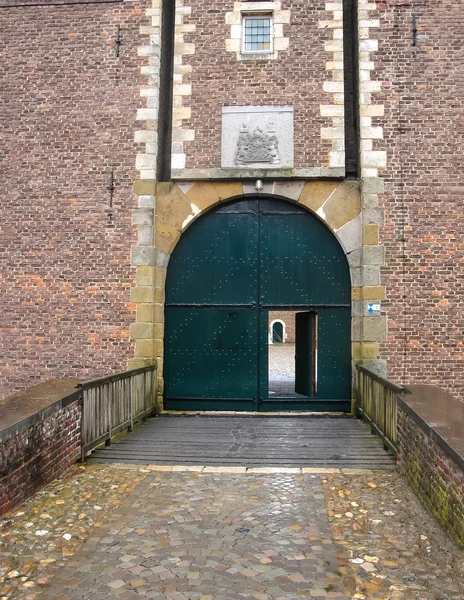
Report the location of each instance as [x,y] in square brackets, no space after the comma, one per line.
[227,272]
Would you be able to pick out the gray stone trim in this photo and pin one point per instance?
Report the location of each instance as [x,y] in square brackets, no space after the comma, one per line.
[143,256]
[256,109]
[240,174]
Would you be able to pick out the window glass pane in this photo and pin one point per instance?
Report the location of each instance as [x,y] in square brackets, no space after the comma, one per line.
[257,34]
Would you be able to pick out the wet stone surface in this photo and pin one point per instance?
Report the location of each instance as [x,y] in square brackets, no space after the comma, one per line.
[394,549]
[138,532]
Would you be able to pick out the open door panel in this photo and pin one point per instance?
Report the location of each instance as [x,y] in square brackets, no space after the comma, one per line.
[306,353]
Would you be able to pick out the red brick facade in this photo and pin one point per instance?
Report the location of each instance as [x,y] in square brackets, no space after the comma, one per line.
[68,107]
[422,89]
[435,474]
[219,79]
[46,447]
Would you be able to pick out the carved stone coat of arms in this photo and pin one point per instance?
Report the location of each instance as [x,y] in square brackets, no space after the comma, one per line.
[257,146]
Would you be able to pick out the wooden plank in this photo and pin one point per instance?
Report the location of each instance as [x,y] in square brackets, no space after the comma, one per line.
[251,441]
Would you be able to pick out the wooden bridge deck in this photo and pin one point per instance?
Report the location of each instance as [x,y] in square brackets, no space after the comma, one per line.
[250,441]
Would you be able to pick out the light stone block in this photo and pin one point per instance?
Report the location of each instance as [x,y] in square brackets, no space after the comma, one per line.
[153,102]
[336,158]
[147,114]
[282,16]
[371,275]
[148,174]
[146,201]
[184,49]
[331,133]
[357,308]
[370,86]
[368,46]
[143,256]
[146,136]
[374,159]
[356,276]
[178,161]
[236,31]
[374,215]
[145,235]
[161,258]
[356,329]
[373,110]
[369,172]
[281,43]
[145,161]
[148,90]
[375,329]
[183,135]
[374,255]
[355,258]
[350,235]
[290,190]
[233,45]
[141,331]
[369,201]
[333,87]
[369,23]
[233,18]
[184,89]
[333,46]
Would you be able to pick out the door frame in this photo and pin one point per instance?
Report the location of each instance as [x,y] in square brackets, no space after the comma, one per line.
[337,203]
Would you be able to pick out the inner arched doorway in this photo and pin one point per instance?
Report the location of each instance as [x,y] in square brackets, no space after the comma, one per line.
[277,332]
[228,271]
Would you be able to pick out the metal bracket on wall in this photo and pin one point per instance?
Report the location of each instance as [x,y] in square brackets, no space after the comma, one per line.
[414,30]
[111,187]
[117,41]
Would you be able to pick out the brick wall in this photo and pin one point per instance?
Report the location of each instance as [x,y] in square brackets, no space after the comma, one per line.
[68,106]
[39,453]
[218,78]
[433,474]
[424,182]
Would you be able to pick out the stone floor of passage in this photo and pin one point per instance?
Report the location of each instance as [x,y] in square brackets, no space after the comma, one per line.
[105,532]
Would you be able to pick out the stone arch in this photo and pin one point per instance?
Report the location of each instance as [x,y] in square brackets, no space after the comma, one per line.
[337,204]
[271,330]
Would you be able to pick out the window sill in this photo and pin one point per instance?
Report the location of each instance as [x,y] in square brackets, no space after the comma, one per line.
[257,55]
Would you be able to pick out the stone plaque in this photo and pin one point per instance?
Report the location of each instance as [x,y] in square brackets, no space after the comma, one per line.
[257,137]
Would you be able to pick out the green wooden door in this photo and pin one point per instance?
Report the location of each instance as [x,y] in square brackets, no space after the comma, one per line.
[211,313]
[227,272]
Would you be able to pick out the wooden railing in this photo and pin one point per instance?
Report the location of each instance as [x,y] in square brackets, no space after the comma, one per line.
[376,403]
[113,404]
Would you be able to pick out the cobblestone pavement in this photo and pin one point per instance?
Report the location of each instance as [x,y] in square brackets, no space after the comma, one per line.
[281,361]
[112,532]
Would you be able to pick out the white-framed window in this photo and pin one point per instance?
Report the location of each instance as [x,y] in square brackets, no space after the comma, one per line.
[257,33]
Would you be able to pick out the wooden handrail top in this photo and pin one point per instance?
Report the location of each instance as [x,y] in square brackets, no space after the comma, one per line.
[398,389]
[86,385]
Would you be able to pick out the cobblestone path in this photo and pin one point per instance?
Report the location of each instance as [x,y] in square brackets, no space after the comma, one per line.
[111,532]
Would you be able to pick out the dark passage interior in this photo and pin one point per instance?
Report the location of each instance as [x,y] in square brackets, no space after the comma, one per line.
[292,354]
